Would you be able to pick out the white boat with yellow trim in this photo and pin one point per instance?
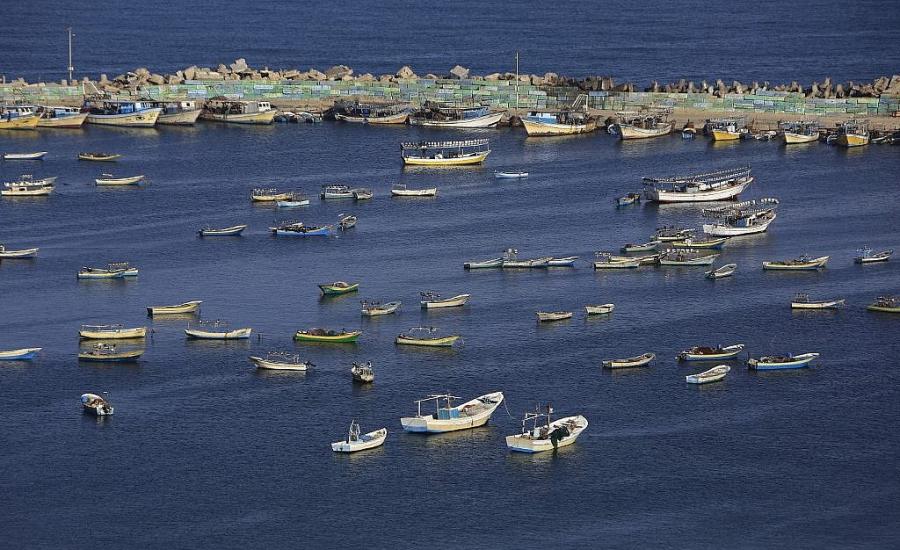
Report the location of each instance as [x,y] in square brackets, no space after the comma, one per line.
[801,300]
[433,300]
[558,123]
[111,332]
[853,133]
[804,131]
[450,418]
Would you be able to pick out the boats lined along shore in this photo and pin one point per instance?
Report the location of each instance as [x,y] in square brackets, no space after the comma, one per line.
[853,133]
[558,123]
[712,186]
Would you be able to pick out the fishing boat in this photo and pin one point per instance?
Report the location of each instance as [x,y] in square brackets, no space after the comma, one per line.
[425,336]
[643,247]
[550,316]
[187,307]
[701,244]
[558,123]
[801,263]
[96,405]
[605,260]
[564,261]
[599,309]
[688,131]
[338,287]
[779,362]
[333,191]
[295,200]
[800,132]
[885,304]
[356,442]
[27,186]
[375,309]
[726,129]
[450,418]
[707,353]
[102,272]
[686,257]
[649,259]
[60,117]
[233,231]
[628,199]
[299,229]
[281,360]
[643,126]
[444,115]
[23,254]
[269,195]
[238,112]
[99,157]
[401,190]
[493,263]
[178,113]
[363,372]
[362,194]
[346,221]
[712,375]
[25,156]
[18,117]
[108,179]
[433,300]
[327,336]
[629,362]
[511,261]
[23,354]
[111,332]
[103,352]
[370,113]
[548,435]
[501,175]
[853,133]
[445,153]
[726,270]
[216,330]
[868,256]
[667,233]
[110,112]
[720,185]
[801,301]
[743,218]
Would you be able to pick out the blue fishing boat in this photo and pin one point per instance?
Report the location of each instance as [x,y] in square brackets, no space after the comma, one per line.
[299,229]
[19,354]
[122,113]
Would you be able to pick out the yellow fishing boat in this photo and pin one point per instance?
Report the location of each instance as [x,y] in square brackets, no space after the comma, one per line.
[445,153]
[18,117]
[853,133]
[726,129]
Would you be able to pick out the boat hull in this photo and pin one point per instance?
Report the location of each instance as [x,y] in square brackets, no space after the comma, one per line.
[278,365]
[23,254]
[467,160]
[369,441]
[725,135]
[399,118]
[142,119]
[118,334]
[25,156]
[486,121]
[720,230]
[238,334]
[134,180]
[188,307]
[628,131]
[883,309]
[724,194]
[120,357]
[830,304]
[264,117]
[347,338]
[443,342]
[792,138]
[71,121]
[414,192]
[543,129]
[812,265]
[23,354]
[26,122]
[225,232]
[181,118]
[852,140]
[456,301]
[800,362]
[522,444]
[712,375]
[429,424]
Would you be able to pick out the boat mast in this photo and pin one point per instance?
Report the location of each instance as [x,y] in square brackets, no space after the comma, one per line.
[517,81]
[71,68]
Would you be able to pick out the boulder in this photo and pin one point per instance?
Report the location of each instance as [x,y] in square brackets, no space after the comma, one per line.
[316,75]
[190,73]
[386,78]
[549,78]
[459,72]
[156,79]
[222,69]
[174,79]
[431,76]
[880,84]
[292,74]
[368,77]
[405,72]
[497,76]
[524,78]
[839,91]
[347,78]
[239,65]
[893,86]
[691,89]
[142,71]
[536,80]
[338,72]
[103,79]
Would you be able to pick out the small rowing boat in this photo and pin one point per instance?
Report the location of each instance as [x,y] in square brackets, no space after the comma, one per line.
[338,287]
[600,309]
[108,179]
[686,257]
[886,304]
[109,353]
[281,360]
[363,372]
[269,195]
[356,442]
[649,259]
[780,362]
[707,353]
[111,332]
[801,301]
[605,260]
[295,200]
[566,261]
[512,261]
[449,418]
[233,231]
[550,316]
[93,404]
[333,191]
[546,436]
[726,270]
[644,247]
[509,175]
[401,190]
[23,354]
[485,264]
[712,375]
[424,336]
[868,256]
[299,229]
[801,263]
[23,254]
[187,307]
[628,199]
[347,221]
[362,194]
[701,244]
[327,336]
[629,362]
[216,330]
[670,233]
[25,156]
[375,309]
[99,157]
[433,300]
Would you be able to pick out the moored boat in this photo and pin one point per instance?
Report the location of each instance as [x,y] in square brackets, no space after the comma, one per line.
[108,179]
[233,231]
[238,112]
[780,362]
[111,332]
[643,126]
[599,309]
[701,244]
[743,218]
[630,198]
[443,115]
[401,190]
[23,354]
[686,257]
[371,113]
[726,270]
[449,418]
[712,375]
[563,261]
[375,309]
[327,336]
[433,300]
[281,360]
[362,194]
[629,362]
[25,156]
[726,129]
[23,254]
[425,336]
[178,113]
[708,353]
[501,175]
[96,405]
[801,263]
[110,112]
[868,256]
[60,117]
[338,287]
[558,123]
[885,304]
[188,307]
[269,195]
[511,261]
[299,229]
[356,442]
[363,372]
[550,316]
[27,186]
[99,156]
[445,153]
[643,247]
[295,199]
[18,117]
[668,233]
[802,301]
[336,191]
[800,132]
[101,273]
[548,435]
[853,133]
[605,260]
[492,263]
[346,221]
[648,259]
[720,185]
[216,330]
[102,352]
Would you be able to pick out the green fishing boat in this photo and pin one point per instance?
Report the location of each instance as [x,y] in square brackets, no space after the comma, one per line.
[886,304]
[329,336]
[338,287]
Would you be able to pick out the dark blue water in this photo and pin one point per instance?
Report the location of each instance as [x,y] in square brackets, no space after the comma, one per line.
[762,40]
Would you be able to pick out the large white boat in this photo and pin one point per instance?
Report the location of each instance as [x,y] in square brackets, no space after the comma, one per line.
[642,126]
[239,112]
[449,418]
[440,115]
[112,112]
[743,218]
[713,186]
[544,434]
[27,186]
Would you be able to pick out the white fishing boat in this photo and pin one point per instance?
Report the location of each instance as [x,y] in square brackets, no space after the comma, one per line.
[333,191]
[109,353]
[565,261]
[111,332]
[27,186]
[178,113]
[800,132]
[233,111]
[443,115]
[346,221]
[96,405]
[744,218]
[868,256]
[712,186]
[375,309]
[781,362]
[23,354]
[605,260]
[449,418]
[134,114]
[500,175]
[643,247]
[356,442]
[493,263]
[559,123]
[548,435]
[643,126]
[550,316]
[187,307]
[726,270]
[294,200]
[281,360]
[362,194]
[216,330]
[401,190]
[599,309]
[709,353]
[445,153]
[511,261]
[60,117]
[101,273]
[801,300]
[363,372]
[667,234]
[109,179]
[425,337]
[23,254]
[233,231]
[25,156]
[712,375]
[629,362]
[433,300]
[686,257]
[801,263]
